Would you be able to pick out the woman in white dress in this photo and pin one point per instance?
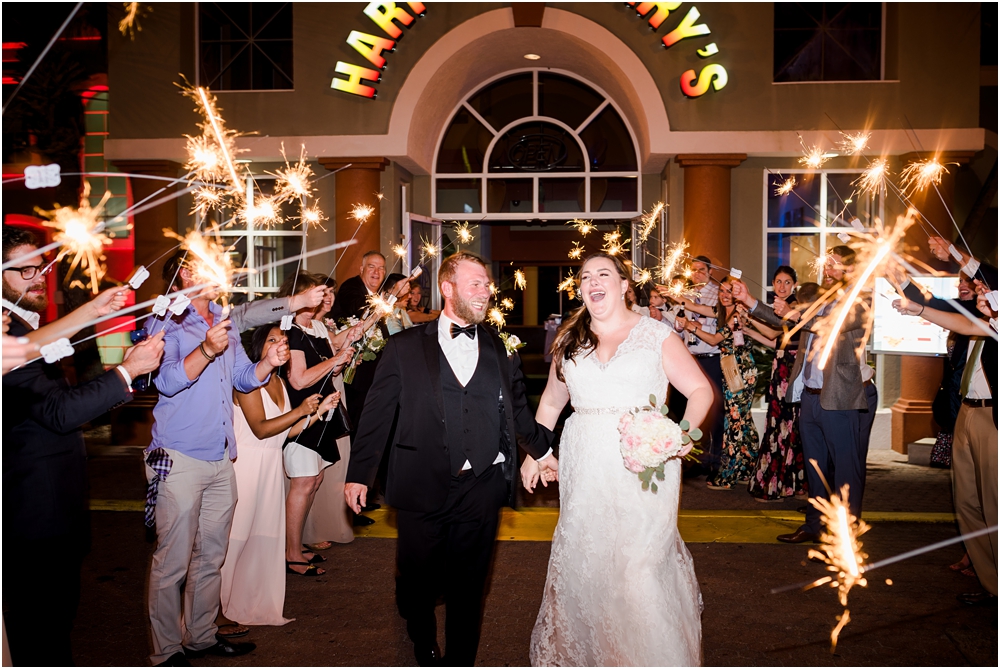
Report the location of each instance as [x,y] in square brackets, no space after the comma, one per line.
[621,588]
[253,577]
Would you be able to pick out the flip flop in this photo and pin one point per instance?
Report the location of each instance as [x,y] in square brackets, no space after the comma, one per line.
[311,569]
[319,546]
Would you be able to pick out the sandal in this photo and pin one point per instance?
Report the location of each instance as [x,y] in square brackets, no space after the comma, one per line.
[311,569]
[962,564]
[718,486]
[318,546]
[315,559]
[235,630]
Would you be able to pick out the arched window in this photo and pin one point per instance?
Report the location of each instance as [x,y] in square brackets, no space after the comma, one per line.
[537,144]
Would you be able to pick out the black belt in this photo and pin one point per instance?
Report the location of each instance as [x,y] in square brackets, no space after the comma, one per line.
[812,391]
[978,404]
[705,355]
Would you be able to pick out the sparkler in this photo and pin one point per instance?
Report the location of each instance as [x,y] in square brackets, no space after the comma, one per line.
[399,250]
[362,212]
[81,234]
[814,158]
[569,285]
[583,227]
[612,243]
[675,254]
[576,252]
[496,317]
[649,222]
[493,289]
[209,262]
[312,217]
[507,304]
[872,180]
[519,280]
[785,187]
[428,249]
[211,156]
[854,144]
[379,305]
[643,276]
[464,233]
[130,23]
[263,213]
[920,174]
[293,182]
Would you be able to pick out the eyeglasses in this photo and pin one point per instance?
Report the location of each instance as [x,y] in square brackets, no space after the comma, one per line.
[27,273]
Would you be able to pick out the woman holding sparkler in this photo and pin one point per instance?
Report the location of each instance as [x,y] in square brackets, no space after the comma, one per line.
[316,358]
[621,588]
[779,470]
[253,582]
[739,376]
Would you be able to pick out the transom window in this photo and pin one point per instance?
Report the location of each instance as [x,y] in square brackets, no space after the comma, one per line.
[533,143]
[245,46]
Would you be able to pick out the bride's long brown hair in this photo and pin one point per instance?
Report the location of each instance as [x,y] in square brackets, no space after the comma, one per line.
[575,335]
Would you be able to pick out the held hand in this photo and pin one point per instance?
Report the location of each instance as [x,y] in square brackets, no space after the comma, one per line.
[939,247]
[277,355]
[655,314]
[780,307]
[549,470]
[740,292]
[907,307]
[983,304]
[529,473]
[144,357]
[16,351]
[309,299]
[109,300]
[401,287]
[217,338]
[329,403]
[680,323]
[356,495]
[310,404]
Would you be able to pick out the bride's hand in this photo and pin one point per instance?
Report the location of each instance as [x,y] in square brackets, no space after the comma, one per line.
[529,473]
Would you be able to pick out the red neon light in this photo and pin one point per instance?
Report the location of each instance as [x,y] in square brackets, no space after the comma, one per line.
[11,80]
[81,38]
[14,45]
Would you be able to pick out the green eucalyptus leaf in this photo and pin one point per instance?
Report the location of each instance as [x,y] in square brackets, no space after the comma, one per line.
[660,476]
[653,487]
[685,439]
[645,485]
[695,433]
[652,400]
[685,425]
[664,410]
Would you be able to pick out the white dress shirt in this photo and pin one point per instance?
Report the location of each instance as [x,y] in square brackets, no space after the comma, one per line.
[979,387]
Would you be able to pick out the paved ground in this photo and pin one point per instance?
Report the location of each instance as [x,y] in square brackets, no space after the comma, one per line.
[347,617]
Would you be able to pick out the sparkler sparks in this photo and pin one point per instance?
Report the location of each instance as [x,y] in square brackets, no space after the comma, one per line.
[507,304]
[855,143]
[211,156]
[520,282]
[463,233]
[920,174]
[785,187]
[569,285]
[428,249]
[583,227]
[576,252]
[872,180]
[613,245]
[362,212]
[399,250]
[81,234]
[642,276]
[263,213]
[814,158]
[379,305]
[312,217]
[130,23]
[496,317]
[209,262]
[675,254]
[649,222]
[293,182]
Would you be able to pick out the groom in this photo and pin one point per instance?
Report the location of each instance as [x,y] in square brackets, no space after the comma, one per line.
[461,401]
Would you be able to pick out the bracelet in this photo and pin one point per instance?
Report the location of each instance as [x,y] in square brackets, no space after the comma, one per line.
[201,347]
[922,307]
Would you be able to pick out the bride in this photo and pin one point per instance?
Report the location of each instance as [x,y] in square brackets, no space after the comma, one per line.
[621,588]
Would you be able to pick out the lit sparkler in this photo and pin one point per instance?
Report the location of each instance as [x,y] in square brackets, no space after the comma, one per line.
[208,261]
[576,252]
[854,143]
[463,233]
[399,250]
[569,285]
[312,217]
[212,156]
[583,227]
[785,187]
[814,158]
[428,249]
[293,182]
[263,213]
[520,282]
[872,180]
[379,305]
[613,245]
[362,212]
[130,22]
[496,317]
[494,291]
[642,276]
[920,174]
[507,304]
[81,234]
[675,254]
[649,222]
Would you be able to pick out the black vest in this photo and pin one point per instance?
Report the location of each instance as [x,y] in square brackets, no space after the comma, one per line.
[472,414]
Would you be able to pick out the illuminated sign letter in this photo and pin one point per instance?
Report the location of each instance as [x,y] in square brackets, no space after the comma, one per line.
[713,75]
[663,10]
[371,47]
[687,28]
[384,13]
[353,82]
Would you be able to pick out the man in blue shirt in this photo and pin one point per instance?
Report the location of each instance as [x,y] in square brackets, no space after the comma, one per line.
[190,472]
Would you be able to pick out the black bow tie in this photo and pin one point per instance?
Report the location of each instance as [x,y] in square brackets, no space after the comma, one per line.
[469,330]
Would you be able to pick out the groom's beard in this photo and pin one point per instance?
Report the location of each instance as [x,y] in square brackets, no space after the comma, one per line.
[463,309]
[27,301]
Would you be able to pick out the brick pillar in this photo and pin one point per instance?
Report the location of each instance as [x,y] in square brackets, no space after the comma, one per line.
[357,184]
[920,376]
[150,243]
[707,179]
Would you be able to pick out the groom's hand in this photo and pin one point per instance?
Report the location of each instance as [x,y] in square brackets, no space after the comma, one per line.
[548,469]
[357,496]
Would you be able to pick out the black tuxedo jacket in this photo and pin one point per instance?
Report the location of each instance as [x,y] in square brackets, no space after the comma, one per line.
[45,492]
[409,377]
[352,299]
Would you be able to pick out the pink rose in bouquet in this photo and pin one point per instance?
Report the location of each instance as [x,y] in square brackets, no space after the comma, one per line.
[649,439]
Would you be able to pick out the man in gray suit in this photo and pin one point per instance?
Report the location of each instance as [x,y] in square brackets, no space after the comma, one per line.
[834,419]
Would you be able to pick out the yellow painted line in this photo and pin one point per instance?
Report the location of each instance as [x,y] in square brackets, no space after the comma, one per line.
[696,526]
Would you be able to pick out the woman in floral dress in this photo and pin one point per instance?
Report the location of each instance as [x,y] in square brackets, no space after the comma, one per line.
[740,441]
[779,471]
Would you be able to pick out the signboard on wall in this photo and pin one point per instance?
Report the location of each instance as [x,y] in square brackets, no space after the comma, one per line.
[897,334]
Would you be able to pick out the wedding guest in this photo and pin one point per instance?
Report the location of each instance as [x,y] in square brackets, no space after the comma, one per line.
[417,312]
[45,496]
[399,320]
[740,442]
[192,485]
[635,301]
[779,471]
[315,357]
[253,575]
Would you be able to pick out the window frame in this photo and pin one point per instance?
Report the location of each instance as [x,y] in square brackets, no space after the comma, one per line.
[586,173]
[197,58]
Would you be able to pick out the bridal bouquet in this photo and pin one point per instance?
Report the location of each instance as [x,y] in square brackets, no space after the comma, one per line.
[649,439]
[371,342]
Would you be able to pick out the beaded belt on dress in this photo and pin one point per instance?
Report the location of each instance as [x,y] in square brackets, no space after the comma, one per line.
[603,411]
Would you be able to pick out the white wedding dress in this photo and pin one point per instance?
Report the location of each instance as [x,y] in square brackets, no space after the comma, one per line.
[621,588]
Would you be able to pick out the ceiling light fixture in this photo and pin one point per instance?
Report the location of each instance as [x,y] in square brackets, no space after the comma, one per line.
[532,56]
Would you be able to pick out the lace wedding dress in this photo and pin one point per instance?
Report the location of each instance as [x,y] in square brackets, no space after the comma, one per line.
[621,588]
